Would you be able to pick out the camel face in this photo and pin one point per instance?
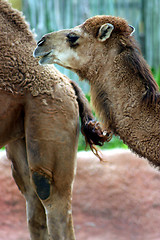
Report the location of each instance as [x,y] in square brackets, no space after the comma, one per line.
[80,47]
[59,47]
[71,48]
[66,48]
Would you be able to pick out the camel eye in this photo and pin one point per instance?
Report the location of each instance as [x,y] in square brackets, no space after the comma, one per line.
[72,38]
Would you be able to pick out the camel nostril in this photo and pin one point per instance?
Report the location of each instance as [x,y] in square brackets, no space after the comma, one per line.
[41,42]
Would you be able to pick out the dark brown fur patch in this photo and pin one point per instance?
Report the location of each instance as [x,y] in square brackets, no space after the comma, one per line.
[93,24]
[138,65]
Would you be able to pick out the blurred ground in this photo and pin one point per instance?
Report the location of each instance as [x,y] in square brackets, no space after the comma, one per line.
[119,199]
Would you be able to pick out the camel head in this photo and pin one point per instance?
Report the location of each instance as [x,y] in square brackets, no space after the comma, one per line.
[85,45]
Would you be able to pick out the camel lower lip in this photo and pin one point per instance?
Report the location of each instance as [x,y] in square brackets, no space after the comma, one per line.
[45,59]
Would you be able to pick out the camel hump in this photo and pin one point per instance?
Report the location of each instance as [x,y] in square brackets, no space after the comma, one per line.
[14,20]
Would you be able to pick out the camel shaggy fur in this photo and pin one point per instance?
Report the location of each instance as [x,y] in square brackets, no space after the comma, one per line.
[39,126]
[124,93]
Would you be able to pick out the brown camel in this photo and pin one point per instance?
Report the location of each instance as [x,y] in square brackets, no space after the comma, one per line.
[39,124]
[124,93]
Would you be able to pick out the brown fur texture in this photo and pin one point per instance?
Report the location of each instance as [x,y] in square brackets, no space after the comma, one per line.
[16,55]
[123,90]
[92,25]
[39,126]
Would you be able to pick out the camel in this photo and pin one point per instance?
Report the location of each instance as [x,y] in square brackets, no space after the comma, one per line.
[39,119]
[124,93]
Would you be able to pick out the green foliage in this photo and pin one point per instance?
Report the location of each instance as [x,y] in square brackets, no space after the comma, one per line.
[114,143]
[16,4]
[156,75]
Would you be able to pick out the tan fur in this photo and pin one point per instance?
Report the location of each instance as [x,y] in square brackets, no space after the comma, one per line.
[40,126]
[123,90]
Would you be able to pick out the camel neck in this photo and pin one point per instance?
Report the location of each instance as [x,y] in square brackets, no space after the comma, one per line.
[119,100]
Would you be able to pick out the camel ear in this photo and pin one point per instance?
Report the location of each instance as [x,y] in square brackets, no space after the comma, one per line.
[131,29]
[105,31]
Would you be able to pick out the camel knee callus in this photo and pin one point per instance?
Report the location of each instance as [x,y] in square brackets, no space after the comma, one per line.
[123,90]
[42,185]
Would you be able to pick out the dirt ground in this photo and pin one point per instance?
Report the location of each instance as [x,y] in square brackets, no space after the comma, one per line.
[116,200]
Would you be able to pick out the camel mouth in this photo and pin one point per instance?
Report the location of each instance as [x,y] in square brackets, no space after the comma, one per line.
[44,57]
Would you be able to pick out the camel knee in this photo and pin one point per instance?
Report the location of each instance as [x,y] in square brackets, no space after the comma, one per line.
[42,184]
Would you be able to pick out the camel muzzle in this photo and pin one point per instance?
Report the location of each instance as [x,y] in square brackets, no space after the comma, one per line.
[44,56]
